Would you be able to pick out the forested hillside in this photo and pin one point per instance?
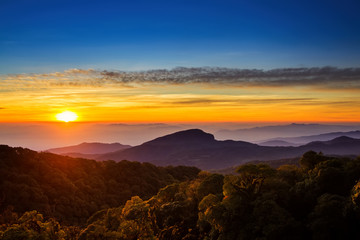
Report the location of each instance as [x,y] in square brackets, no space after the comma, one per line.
[318,200]
[70,189]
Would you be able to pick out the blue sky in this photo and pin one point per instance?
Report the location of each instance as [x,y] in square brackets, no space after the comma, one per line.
[45,36]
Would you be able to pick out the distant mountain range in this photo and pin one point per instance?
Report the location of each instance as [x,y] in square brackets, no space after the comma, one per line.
[293,141]
[197,148]
[337,146]
[278,143]
[282,132]
[84,149]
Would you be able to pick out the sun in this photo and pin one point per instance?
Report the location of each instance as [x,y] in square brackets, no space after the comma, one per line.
[66,116]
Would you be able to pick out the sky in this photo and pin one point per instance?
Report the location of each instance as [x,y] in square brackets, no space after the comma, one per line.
[42,36]
[180,61]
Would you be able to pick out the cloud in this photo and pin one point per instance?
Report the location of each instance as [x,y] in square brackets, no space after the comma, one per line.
[320,78]
[213,101]
[239,101]
[327,77]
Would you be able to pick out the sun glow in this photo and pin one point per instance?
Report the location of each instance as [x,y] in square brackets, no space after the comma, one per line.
[66,116]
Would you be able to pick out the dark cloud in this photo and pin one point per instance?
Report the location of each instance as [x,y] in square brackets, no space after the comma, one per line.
[326,77]
[320,78]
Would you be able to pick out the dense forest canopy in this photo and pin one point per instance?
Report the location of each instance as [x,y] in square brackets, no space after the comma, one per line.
[72,189]
[320,199]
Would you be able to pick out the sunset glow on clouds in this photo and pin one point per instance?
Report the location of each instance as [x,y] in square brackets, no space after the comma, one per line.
[185,95]
[116,61]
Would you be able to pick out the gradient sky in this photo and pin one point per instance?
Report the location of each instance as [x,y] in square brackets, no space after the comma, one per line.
[45,36]
[70,55]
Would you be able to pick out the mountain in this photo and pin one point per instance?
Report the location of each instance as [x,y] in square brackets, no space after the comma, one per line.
[277,143]
[190,147]
[265,133]
[338,146]
[320,137]
[81,155]
[89,148]
[196,148]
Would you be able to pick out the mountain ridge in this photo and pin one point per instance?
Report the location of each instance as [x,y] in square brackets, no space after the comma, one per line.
[195,147]
[89,148]
[318,137]
[280,132]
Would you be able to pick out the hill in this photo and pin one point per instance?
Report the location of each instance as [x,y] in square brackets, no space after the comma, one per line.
[196,148]
[317,201]
[89,148]
[338,146]
[277,143]
[72,189]
[320,199]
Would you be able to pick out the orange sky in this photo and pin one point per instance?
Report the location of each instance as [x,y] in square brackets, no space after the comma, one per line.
[39,97]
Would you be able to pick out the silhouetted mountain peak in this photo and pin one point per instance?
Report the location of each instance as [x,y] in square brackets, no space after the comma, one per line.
[195,147]
[187,136]
[342,139]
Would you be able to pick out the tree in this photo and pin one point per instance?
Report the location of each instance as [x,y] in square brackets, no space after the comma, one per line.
[251,178]
[310,159]
[327,221]
[31,225]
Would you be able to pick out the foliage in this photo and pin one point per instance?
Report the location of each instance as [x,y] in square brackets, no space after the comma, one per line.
[71,190]
[33,226]
[319,200]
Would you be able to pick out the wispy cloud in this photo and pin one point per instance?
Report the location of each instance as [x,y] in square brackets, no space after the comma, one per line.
[326,77]
[242,101]
[216,102]
[320,78]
